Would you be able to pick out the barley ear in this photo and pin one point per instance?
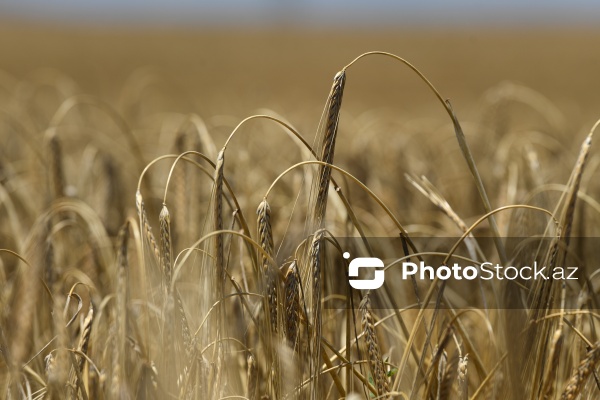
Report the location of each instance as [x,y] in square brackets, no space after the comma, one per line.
[463,387]
[218,221]
[375,360]
[82,348]
[265,235]
[57,177]
[165,243]
[141,209]
[291,305]
[251,384]
[581,374]
[328,146]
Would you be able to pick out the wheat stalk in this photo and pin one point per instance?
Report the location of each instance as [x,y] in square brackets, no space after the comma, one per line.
[118,371]
[315,270]
[567,222]
[442,375]
[219,264]
[554,357]
[57,373]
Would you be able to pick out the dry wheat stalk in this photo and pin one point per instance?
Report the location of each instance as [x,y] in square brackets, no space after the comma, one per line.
[375,360]
[49,265]
[554,357]
[494,390]
[169,371]
[567,223]
[217,388]
[564,231]
[57,375]
[315,270]
[179,179]
[111,209]
[424,186]
[25,295]
[118,380]
[328,146]
[220,267]
[265,235]
[442,387]
[122,267]
[583,371]
[541,294]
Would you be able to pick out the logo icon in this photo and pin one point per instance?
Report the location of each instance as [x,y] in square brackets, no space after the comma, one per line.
[366,262]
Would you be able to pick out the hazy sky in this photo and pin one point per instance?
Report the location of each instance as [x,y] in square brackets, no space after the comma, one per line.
[303,12]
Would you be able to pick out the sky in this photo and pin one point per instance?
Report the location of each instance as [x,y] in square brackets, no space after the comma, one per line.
[304,12]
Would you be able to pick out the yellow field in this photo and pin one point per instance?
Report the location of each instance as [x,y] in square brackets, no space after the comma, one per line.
[115,285]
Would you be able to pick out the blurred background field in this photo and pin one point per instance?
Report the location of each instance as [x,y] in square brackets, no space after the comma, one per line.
[234,71]
[226,72]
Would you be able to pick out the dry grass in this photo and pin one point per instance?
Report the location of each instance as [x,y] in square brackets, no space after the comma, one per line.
[92,306]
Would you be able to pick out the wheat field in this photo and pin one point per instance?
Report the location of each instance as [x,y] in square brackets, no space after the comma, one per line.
[175,206]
